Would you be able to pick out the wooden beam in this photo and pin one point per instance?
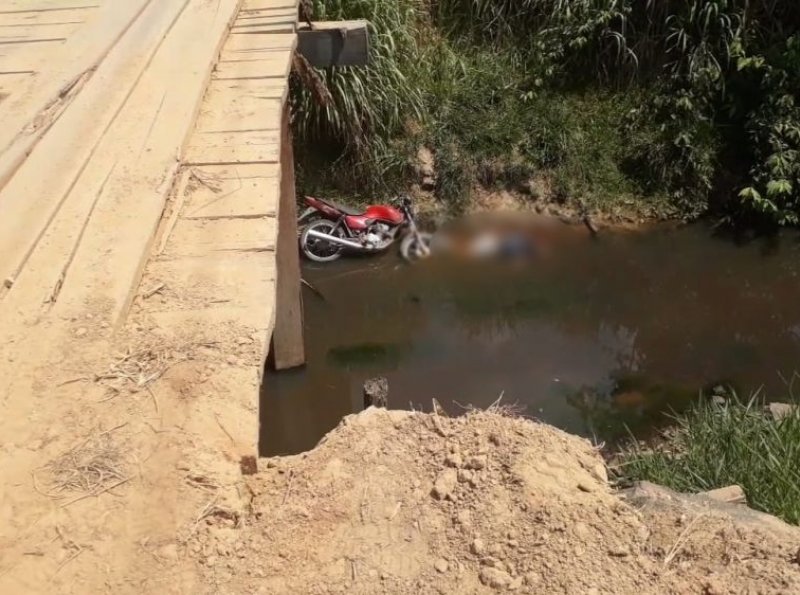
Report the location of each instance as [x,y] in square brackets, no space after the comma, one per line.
[335,43]
[287,337]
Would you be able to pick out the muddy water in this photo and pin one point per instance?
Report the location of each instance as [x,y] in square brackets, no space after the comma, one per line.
[597,337]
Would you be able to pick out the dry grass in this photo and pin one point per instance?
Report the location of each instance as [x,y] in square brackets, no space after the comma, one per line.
[94,467]
[312,81]
[138,369]
[497,408]
[141,367]
[204,178]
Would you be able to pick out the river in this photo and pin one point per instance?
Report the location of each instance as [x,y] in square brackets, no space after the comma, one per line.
[601,338]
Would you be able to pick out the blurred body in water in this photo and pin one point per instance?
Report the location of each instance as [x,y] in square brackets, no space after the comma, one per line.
[503,239]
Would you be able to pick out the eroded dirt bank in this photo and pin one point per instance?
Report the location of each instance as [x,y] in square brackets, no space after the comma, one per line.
[401,502]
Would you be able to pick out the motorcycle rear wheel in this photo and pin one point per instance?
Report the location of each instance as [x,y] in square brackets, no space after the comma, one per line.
[317,249]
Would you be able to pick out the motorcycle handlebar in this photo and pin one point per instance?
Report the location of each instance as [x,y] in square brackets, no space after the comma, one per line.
[403,200]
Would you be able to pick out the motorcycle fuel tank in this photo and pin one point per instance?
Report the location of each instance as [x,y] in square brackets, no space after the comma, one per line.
[356,222]
[384,213]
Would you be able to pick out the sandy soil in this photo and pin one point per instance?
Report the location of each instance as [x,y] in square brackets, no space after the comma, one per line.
[112,446]
[122,426]
[131,491]
[399,502]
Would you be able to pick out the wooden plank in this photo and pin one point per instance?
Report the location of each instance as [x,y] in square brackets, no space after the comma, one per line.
[55,11]
[31,200]
[75,16]
[269,4]
[209,237]
[278,66]
[287,338]
[261,13]
[281,60]
[260,87]
[38,31]
[12,6]
[234,147]
[17,40]
[233,191]
[9,83]
[149,134]
[243,119]
[28,115]
[28,57]
[195,321]
[278,28]
[247,44]
[241,114]
[242,280]
[261,21]
[335,43]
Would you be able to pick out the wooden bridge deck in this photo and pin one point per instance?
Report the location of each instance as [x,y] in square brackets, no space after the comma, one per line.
[145,173]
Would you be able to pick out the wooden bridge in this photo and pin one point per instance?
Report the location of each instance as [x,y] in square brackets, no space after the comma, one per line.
[148,262]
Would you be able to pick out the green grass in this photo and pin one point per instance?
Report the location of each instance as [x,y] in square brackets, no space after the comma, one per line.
[359,144]
[713,446]
[488,124]
[666,108]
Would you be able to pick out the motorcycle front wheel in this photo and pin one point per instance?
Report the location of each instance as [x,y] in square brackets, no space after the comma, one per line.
[416,246]
[319,249]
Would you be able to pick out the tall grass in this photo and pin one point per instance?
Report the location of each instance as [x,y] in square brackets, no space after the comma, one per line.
[698,99]
[718,445]
[353,139]
[726,80]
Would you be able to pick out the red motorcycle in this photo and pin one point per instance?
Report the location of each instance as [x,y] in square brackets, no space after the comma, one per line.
[339,228]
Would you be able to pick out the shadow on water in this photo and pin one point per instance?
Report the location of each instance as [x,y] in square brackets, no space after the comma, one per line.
[367,355]
[598,337]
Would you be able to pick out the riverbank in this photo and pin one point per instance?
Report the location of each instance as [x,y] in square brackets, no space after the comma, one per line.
[532,202]
[403,502]
[720,442]
[594,108]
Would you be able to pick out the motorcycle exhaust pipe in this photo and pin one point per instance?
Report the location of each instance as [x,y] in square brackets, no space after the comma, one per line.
[335,240]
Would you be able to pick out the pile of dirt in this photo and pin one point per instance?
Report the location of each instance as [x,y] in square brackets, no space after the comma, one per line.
[402,502]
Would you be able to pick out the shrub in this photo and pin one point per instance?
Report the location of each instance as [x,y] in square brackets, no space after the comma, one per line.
[353,140]
[692,100]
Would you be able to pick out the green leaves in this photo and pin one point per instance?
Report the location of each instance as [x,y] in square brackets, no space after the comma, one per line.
[717,81]
[752,62]
[750,194]
[778,188]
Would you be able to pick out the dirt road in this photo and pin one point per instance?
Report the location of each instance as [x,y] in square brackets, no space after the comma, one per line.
[137,281]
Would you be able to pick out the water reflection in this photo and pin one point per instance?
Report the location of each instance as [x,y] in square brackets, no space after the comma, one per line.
[621,342]
[598,335]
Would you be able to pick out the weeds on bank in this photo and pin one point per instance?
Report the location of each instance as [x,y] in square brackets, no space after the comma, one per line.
[715,445]
[673,106]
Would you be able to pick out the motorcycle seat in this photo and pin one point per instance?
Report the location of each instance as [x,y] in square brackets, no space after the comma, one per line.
[343,208]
